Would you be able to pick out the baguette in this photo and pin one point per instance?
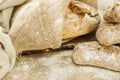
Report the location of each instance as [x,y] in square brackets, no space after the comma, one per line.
[93,54]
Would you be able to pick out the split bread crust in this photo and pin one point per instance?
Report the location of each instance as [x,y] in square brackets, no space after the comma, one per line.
[79,19]
[108,34]
[93,54]
[112,14]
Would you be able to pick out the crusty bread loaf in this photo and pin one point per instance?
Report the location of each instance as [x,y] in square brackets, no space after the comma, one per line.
[79,19]
[112,14]
[37,25]
[108,34]
[93,54]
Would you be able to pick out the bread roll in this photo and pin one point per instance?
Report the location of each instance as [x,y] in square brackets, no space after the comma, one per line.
[108,34]
[112,14]
[37,25]
[93,54]
[79,19]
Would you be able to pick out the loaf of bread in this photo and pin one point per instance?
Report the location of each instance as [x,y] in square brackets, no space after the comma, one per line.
[108,34]
[37,25]
[79,19]
[112,14]
[93,54]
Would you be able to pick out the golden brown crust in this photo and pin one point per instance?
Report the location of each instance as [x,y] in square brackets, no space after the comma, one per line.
[79,19]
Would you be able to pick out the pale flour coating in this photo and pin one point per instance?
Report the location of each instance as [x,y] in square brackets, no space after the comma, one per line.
[93,54]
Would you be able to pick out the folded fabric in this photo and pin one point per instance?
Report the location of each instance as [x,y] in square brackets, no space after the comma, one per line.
[10,3]
[5,16]
[37,25]
[7,54]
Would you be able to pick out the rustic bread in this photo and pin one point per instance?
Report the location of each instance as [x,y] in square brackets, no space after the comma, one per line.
[37,25]
[112,14]
[93,54]
[80,19]
[108,34]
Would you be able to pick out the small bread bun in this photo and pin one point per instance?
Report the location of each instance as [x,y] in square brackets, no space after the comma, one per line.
[112,14]
[108,34]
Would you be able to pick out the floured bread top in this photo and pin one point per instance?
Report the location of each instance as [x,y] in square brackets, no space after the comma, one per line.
[37,25]
[112,14]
